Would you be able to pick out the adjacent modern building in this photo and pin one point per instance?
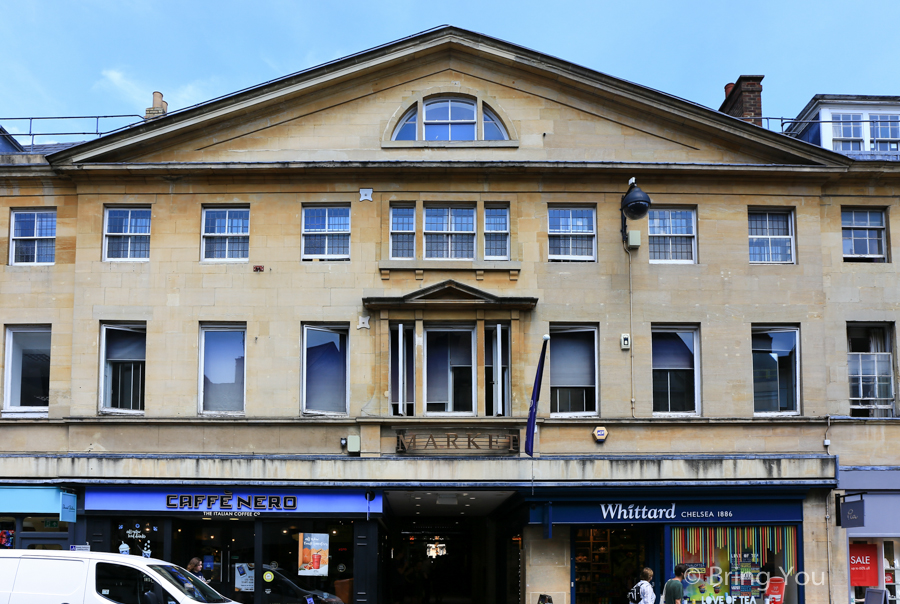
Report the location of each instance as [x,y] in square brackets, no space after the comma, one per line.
[294,331]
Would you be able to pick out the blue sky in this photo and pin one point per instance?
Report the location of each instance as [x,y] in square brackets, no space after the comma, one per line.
[103,57]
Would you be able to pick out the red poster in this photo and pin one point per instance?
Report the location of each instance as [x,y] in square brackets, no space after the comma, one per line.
[863,565]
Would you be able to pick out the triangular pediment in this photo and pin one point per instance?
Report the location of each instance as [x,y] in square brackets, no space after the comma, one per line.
[345,111]
[450,294]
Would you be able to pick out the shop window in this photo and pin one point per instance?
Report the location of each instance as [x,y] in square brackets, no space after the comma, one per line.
[27,382]
[676,387]
[403,232]
[326,387]
[126,232]
[746,556]
[326,233]
[573,369]
[137,537]
[496,369]
[44,524]
[449,370]
[309,555]
[403,370]
[226,234]
[450,233]
[125,585]
[222,354]
[863,233]
[870,371]
[672,236]
[33,238]
[7,532]
[776,365]
[571,234]
[124,352]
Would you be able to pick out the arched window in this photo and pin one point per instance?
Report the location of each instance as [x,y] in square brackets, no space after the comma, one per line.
[450,119]
[493,127]
[406,129]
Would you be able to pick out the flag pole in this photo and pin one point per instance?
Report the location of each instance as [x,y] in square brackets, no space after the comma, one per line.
[532,411]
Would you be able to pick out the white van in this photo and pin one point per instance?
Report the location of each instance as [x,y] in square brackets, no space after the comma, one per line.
[60,577]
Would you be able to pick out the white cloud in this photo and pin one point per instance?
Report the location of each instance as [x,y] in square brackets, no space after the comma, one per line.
[140,95]
[132,92]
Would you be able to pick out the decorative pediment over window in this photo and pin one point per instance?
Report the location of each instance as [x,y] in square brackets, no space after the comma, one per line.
[450,295]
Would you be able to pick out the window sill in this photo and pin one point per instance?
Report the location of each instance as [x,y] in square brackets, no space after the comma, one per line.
[775,413]
[121,412]
[126,260]
[25,414]
[448,144]
[450,265]
[221,414]
[752,263]
[224,261]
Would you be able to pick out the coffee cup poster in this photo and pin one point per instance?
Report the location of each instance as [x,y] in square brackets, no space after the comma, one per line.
[313,554]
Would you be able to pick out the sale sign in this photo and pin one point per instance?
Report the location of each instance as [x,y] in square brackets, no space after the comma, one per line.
[863,565]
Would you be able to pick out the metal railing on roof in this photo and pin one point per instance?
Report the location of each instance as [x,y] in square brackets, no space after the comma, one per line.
[97,132]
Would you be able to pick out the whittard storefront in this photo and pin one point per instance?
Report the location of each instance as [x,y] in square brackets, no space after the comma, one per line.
[258,545]
[726,544]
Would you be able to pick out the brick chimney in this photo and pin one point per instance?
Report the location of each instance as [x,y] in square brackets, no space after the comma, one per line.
[159,107]
[743,99]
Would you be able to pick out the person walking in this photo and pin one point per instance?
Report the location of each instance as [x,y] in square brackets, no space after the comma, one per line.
[673,592]
[648,596]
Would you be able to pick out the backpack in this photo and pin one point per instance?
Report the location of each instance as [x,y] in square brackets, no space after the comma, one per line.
[634,594]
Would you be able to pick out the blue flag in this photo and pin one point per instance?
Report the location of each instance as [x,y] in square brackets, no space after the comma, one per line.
[535,395]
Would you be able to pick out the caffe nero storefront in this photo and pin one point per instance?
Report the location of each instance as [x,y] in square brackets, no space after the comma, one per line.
[258,545]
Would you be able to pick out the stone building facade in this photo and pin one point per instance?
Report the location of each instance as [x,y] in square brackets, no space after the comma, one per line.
[279,315]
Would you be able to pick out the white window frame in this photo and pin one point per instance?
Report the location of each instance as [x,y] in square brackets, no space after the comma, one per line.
[698,402]
[571,233]
[329,328]
[577,329]
[13,239]
[873,142]
[850,120]
[474,370]
[668,236]
[504,232]
[204,329]
[883,229]
[450,232]
[449,122]
[394,231]
[204,235]
[887,331]
[104,407]
[129,235]
[790,236]
[784,329]
[401,370]
[501,389]
[327,232]
[8,408]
